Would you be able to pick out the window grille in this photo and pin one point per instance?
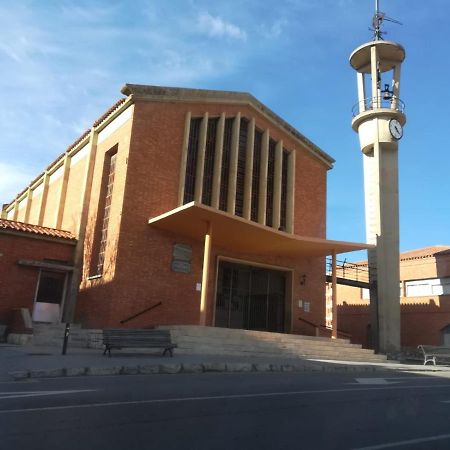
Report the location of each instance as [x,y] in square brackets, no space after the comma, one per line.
[225,163]
[191,162]
[240,179]
[106,212]
[208,172]
[284,174]
[270,182]
[255,174]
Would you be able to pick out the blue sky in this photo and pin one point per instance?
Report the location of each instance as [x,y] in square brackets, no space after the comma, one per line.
[64,62]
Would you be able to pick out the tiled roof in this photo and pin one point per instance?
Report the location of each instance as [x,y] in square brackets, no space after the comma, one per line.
[12,225]
[425,252]
[435,250]
[110,111]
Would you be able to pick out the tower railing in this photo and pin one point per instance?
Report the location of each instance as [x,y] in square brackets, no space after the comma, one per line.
[372,103]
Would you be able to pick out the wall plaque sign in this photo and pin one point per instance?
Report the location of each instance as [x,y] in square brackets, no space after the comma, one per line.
[181,258]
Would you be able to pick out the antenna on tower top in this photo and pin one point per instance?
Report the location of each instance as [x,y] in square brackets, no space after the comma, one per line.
[377,21]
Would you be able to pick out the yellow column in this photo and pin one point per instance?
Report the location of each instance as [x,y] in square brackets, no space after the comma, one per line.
[28,205]
[232,177]
[79,253]
[44,195]
[262,201]
[184,153]
[16,209]
[63,191]
[249,170]
[334,332]
[277,185]
[217,175]
[201,160]
[205,273]
[290,200]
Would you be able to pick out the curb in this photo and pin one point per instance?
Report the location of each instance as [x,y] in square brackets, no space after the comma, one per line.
[174,368]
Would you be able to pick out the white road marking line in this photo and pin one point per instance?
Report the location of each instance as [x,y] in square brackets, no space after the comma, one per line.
[374,381]
[217,397]
[22,394]
[403,443]
[378,381]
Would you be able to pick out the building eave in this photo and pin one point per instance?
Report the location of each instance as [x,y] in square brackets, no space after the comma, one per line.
[238,234]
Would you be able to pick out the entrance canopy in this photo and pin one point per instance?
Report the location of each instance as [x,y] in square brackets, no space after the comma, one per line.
[237,234]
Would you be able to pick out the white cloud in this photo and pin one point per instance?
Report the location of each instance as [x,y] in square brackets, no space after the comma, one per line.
[217,27]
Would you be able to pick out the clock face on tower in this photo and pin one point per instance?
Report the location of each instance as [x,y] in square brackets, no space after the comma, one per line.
[396,129]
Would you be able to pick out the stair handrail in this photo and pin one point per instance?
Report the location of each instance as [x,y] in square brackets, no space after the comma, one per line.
[324,327]
[141,312]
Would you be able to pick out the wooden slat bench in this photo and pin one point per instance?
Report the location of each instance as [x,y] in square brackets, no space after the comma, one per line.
[433,353]
[129,338]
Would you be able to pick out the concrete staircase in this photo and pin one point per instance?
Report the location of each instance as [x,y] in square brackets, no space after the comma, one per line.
[51,335]
[192,339]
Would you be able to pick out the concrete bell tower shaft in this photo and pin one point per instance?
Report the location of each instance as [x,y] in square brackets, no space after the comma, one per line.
[378,120]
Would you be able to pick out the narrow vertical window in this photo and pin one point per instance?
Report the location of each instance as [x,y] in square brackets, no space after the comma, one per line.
[255,174]
[208,172]
[270,182]
[284,175]
[191,162]
[240,179]
[105,201]
[226,153]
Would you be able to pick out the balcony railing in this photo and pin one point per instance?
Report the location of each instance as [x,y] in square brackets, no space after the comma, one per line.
[372,103]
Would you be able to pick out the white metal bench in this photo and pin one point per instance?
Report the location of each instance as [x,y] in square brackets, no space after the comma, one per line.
[433,353]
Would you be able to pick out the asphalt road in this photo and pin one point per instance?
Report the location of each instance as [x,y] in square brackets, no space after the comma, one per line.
[227,411]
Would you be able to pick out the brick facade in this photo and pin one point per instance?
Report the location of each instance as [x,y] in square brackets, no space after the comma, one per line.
[148,137]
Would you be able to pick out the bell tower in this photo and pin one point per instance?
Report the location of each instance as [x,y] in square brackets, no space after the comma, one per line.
[378,118]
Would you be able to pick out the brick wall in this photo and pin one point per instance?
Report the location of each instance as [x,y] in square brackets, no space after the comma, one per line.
[147,185]
[18,283]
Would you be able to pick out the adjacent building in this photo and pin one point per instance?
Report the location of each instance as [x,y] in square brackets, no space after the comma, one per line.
[424,299]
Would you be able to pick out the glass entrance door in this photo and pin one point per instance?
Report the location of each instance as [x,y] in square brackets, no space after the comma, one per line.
[250,298]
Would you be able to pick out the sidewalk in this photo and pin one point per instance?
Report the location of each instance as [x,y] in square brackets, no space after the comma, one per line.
[22,362]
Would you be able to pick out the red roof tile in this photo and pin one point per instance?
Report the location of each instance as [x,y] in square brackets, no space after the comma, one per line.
[425,252]
[12,225]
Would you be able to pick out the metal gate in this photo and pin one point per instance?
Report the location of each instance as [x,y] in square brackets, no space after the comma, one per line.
[251,298]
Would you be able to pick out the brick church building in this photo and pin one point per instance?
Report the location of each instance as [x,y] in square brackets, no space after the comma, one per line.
[178,206]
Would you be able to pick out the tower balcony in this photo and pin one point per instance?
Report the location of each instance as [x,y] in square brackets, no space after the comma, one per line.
[377,103]
[379,107]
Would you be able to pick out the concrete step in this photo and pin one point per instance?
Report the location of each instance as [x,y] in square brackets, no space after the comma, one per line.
[224,341]
[279,350]
[258,346]
[194,330]
[281,355]
[78,338]
[178,338]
